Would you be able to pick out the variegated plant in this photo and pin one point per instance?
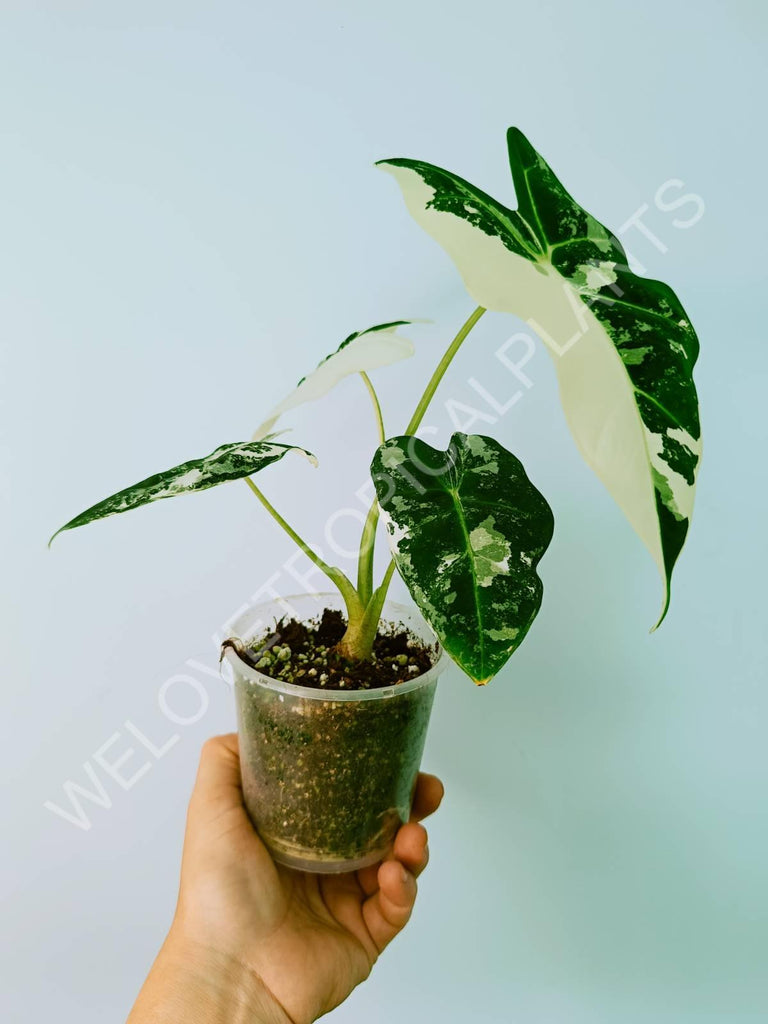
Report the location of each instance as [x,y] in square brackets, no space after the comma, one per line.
[466,526]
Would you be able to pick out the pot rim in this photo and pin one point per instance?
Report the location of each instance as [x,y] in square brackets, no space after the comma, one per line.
[253,675]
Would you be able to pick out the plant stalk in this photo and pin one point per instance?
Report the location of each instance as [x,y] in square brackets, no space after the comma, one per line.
[376,406]
[357,642]
[355,607]
[368,596]
[368,540]
[367,550]
[439,373]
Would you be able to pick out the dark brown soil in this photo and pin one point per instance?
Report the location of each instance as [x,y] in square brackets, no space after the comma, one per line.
[303,653]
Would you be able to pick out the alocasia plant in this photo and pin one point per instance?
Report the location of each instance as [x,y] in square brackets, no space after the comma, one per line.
[467,528]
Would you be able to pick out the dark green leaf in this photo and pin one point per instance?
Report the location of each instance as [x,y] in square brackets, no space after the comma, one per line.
[467,530]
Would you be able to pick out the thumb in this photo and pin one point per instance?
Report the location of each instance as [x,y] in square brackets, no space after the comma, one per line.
[217,786]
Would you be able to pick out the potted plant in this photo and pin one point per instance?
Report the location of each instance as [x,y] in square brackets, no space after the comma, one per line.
[333,706]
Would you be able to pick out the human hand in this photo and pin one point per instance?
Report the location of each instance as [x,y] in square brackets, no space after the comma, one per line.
[253,940]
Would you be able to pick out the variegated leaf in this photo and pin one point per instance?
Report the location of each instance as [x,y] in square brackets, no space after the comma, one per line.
[623,346]
[229,462]
[359,353]
[467,529]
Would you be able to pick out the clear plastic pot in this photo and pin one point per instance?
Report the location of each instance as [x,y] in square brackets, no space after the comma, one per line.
[328,775]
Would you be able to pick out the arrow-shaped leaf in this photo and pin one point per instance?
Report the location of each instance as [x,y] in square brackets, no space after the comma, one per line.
[623,346]
[467,529]
[229,462]
[359,353]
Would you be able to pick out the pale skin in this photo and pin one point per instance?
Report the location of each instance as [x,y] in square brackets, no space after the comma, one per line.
[253,942]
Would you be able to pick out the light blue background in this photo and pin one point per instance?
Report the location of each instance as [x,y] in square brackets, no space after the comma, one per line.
[190,220]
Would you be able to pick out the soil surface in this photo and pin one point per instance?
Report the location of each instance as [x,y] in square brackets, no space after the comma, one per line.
[304,653]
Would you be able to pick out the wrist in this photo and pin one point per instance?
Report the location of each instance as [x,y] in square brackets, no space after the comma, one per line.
[192,984]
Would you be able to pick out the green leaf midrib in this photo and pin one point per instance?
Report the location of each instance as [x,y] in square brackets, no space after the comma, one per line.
[661,408]
[575,241]
[473,570]
[472,502]
[543,236]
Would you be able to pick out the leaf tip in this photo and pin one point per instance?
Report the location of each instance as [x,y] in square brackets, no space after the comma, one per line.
[389,165]
[664,609]
[54,536]
[516,139]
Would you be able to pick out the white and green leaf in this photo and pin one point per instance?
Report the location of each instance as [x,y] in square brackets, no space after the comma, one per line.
[623,346]
[361,352]
[467,529]
[229,462]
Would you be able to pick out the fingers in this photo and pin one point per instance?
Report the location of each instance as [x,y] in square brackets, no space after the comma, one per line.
[387,911]
[392,886]
[218,776]
[411,848]
[427,796]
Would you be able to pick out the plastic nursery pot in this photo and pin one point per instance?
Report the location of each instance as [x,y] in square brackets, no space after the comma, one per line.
[329,775]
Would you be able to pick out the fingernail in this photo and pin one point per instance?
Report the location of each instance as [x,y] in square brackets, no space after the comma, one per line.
[404,875]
